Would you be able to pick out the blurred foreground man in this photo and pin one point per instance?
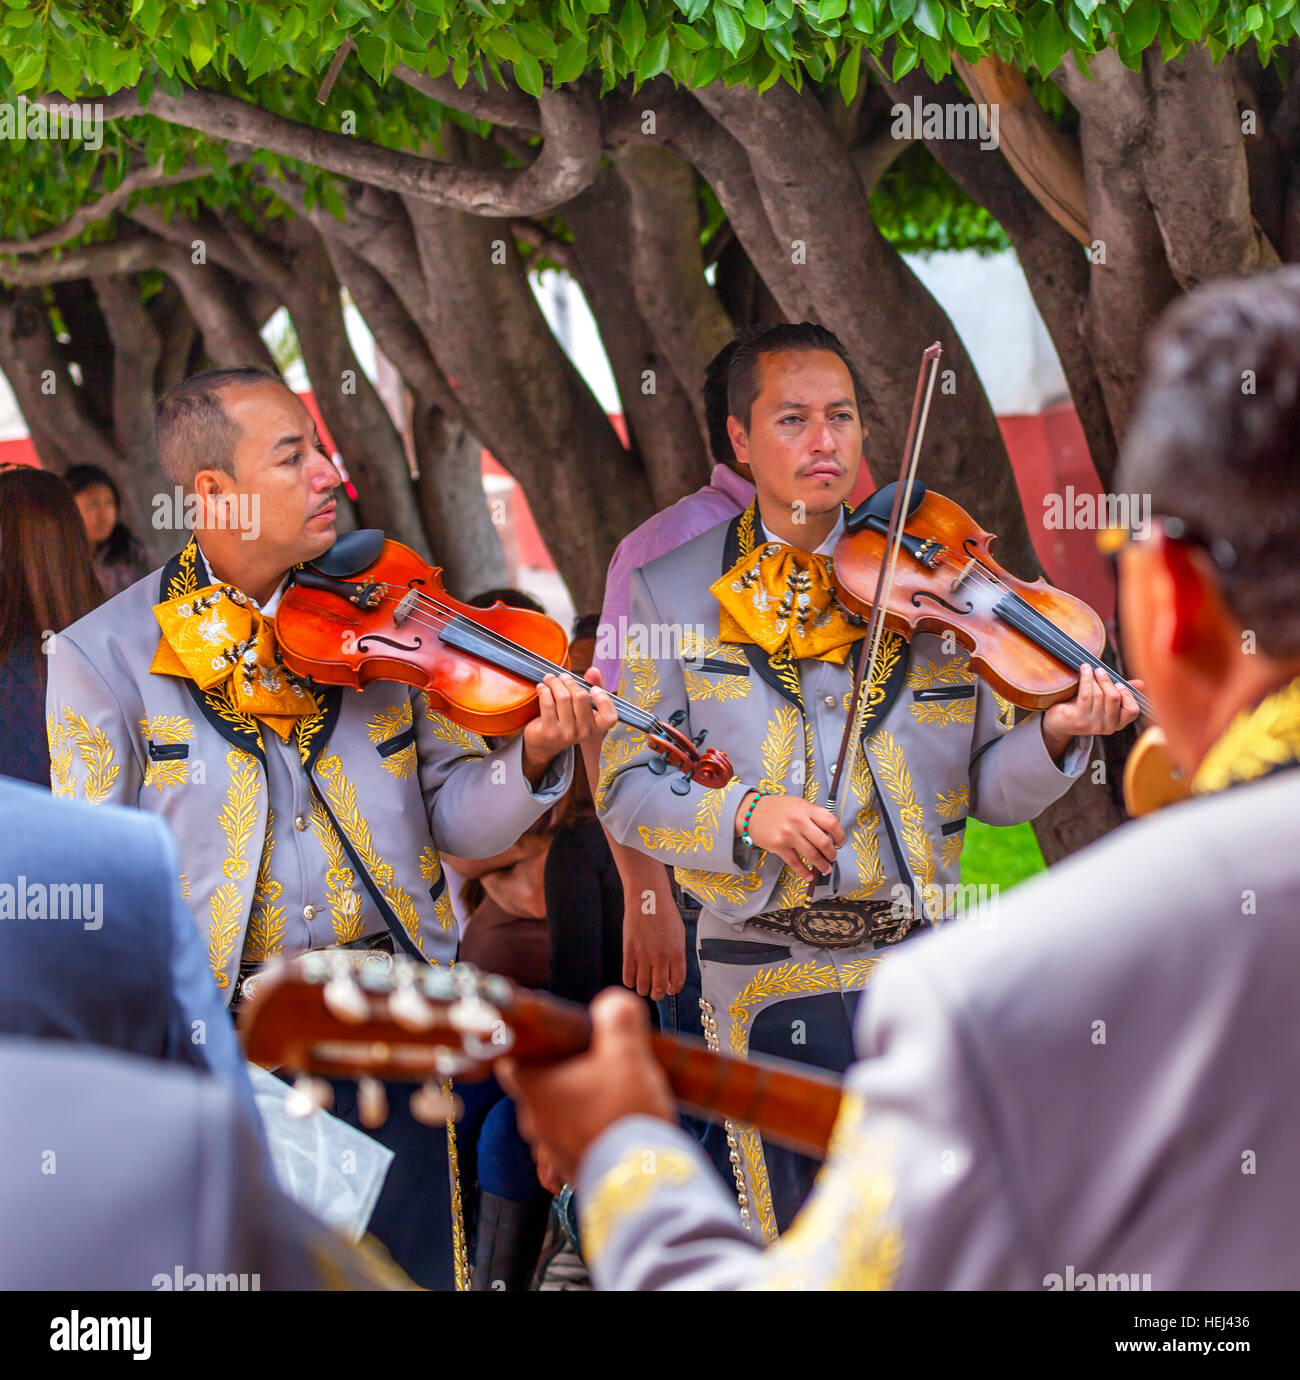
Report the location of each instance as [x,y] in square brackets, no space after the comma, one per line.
[1097,1080]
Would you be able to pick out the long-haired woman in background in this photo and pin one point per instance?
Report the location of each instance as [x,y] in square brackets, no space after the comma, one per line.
[120,560]
[47,581]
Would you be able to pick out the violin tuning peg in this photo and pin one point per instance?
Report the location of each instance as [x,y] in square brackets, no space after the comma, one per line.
[345,1000]
[372,1103]
[681,786]
[677,718]
[700,737]
[306,1096]
[434,1104]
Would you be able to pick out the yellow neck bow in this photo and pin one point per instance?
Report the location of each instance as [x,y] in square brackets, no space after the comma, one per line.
[783,598]
[213,636]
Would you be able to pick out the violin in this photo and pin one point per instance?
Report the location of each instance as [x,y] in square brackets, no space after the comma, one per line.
[371,609]
[1028,640]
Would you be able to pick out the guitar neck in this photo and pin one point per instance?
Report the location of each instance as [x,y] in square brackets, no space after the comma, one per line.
[787,1102]
[798,1109]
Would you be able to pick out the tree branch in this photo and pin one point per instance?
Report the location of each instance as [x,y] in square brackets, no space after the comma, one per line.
[507,106]
[139,179]
[128,254]
[569,157]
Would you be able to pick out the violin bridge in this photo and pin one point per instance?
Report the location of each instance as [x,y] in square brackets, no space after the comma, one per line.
[962,574]
[406,606]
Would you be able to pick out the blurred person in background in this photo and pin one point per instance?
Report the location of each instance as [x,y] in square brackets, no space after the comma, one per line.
[47,581]
[120,560]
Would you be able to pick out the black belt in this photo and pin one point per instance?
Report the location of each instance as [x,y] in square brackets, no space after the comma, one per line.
[246,981]
[838,924]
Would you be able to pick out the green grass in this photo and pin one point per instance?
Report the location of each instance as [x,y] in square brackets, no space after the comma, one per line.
[999,857]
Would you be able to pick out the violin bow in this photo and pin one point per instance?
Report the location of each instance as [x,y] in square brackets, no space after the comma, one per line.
[865,674]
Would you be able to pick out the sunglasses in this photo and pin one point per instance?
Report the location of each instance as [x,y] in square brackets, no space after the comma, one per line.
[1112,540]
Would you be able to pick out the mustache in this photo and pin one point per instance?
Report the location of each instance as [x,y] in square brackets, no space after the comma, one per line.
[329,503]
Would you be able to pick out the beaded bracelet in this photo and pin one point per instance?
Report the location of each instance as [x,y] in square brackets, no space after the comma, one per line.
[744,828]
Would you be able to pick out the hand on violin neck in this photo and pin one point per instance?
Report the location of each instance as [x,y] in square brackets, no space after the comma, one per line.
[1100,707]
[567,715]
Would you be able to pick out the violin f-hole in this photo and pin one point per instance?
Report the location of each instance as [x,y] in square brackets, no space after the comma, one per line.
[929,594]
[388,642]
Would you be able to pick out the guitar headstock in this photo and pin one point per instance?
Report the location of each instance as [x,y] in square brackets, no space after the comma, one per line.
[383,1018]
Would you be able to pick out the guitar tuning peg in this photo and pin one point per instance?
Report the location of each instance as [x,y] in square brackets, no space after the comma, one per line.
[306,1095]
[410,1010]
[434,1104]
[372,1103]
[346,1000]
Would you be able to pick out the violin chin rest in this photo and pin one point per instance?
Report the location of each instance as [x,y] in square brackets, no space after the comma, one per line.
[352,553]
[881,504]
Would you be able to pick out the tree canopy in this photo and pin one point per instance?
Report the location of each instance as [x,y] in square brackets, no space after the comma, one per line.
[696,165]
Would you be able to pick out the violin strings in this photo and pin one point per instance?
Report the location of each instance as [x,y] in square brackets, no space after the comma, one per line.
[1053,639]
[534,664]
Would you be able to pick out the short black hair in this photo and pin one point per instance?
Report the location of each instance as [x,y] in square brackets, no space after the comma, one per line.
[192,429]
[1216,436]
[749,346]
[79,478]
[715,404]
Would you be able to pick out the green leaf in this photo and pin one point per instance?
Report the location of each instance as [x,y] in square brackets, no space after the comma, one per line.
[904,60]
[1185,18]
[902,11]
[1254,18]
[731,32]
[850,70]
[690,38]
[959,28]
[654,56]
[631,27]
[20,19]
[27,69]
[928,17]
[1140,25]
[528,73]
[831,9]
[779,43]
[706,68]
[571,61]
[1050,42]
[755,12]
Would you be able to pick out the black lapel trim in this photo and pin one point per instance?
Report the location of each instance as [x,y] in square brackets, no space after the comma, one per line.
[391,745]
[782,675]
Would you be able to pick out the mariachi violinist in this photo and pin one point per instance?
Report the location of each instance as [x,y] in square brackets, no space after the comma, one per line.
[305,817]
[739,632]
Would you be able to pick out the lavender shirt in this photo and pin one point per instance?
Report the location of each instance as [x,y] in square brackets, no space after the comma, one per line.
[725,495]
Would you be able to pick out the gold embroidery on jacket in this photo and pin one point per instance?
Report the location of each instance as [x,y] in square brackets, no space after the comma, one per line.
[865,837]
[342,797]
[782,981]
[445,730]
[792,979]
[791,889]
[185,885]
[841,1239]
[894,772]
[638,682]
[62,781]
[459,1251]
[628,1186]
[930,676]
[431,871]
[185,580]
[390,723]
[94,749]
[1259,740]
[265,936]
[778,748]
[167,728]
[1006,711]
[340,881]
[704,685]
[708,820]
[237,817]
[952,805]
